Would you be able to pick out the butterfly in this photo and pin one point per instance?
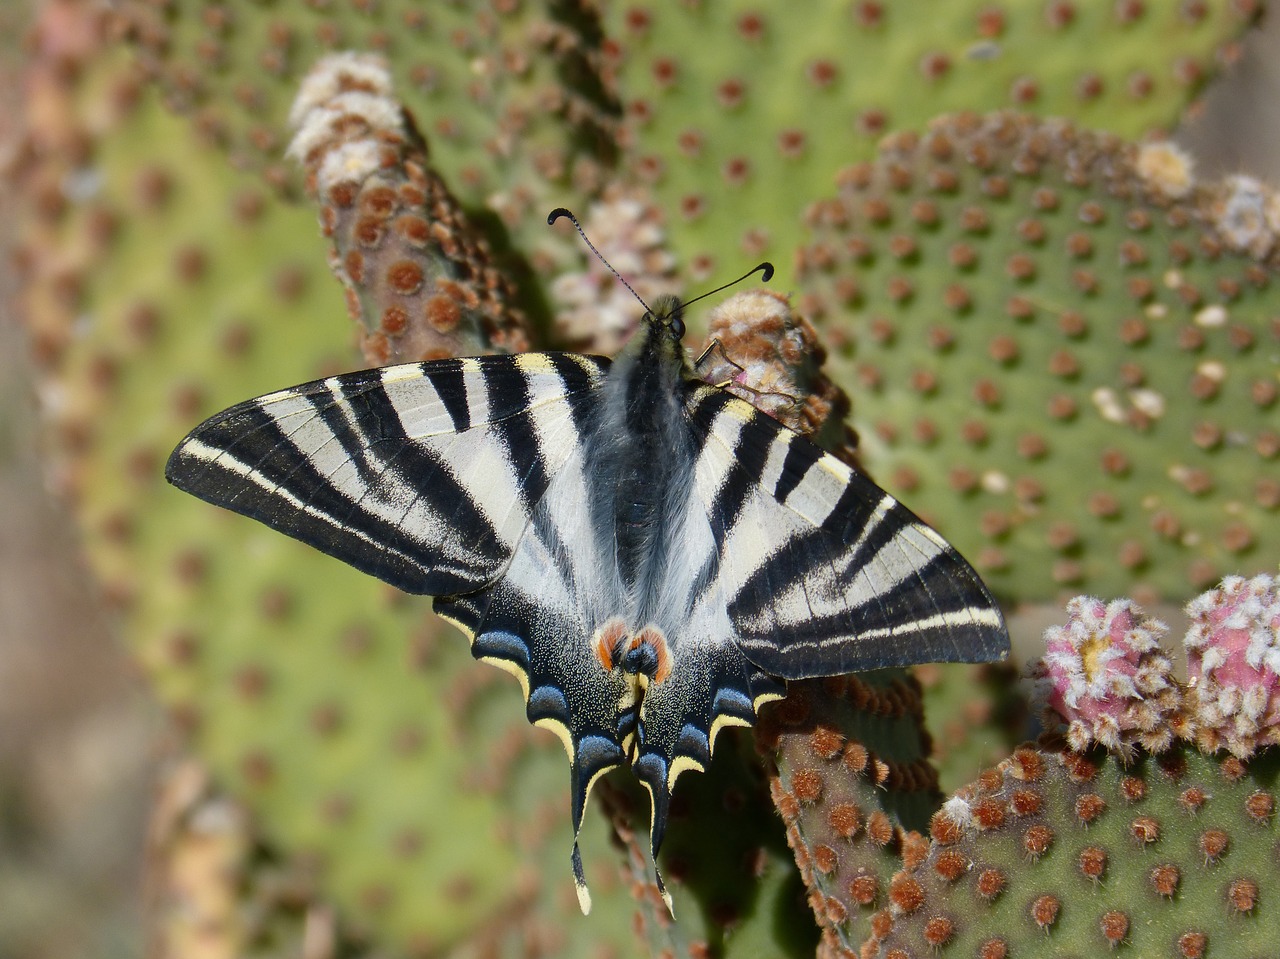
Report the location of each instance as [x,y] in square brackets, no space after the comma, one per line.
[651,556]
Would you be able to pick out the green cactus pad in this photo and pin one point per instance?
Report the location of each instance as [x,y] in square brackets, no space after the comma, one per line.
[508,97]
[1073,854]
[740,115]
[852,785]
[359,731]
[1061,351]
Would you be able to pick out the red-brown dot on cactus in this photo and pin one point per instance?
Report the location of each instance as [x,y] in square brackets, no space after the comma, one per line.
[276,603]
[1193,945]
[1062,407]
[1237,538]
[1165,879]
[1031,231]
[1028,489]
[1089,806]
[880,829]
[1103,505]
[987,393]
[326,719]
[690,143]
[1132,253]
[353,264]
[1187,72]
[1032,446]
[1036,841]
[1003,349]
[664,71]
[996,187]
[1260,806]
[1086,281]
[190,566]
[730,93]
[962,256]
[1266,492]
[1024,90]
[825,859]
[1240,338]
[1026,802]
[1133,789]
[1092,863]
[1232,769]
[962,479]
[938,931]
[405,277]
[257,768]
[1131,375]
[1213,844]
[925,213]
[1115,927]
[1267,444]
[863,889]
[868,13]
[855,758]
[1079,245]
[413,229]
[956,298]
[974,219]
[1145,830]
[181,648]
[394,320]
[1242,894]
[942,180]
[190,264]
[826,742]
[1132,555]
[906,894]
[991,882]
[807,785]
[736,171]
[1066,571]
[934,65]
[902,246]
[342,195]
[989,813]
[1044,910]
[821,73]
[994,524]
[925,431]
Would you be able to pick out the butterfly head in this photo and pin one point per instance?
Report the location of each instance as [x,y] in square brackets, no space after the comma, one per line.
[666,316]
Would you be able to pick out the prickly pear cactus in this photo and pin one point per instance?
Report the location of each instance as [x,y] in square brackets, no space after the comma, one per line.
[1064,292]
[1083,337]
[739,116]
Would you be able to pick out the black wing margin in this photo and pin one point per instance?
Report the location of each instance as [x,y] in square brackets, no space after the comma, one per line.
[424,475]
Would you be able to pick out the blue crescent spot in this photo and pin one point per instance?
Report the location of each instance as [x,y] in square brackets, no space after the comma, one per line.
[651,767]
[504,645]
[548,701]
[694,742]
[597,752]
[734,703]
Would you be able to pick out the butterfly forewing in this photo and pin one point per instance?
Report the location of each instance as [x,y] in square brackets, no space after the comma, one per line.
[825,573]
[423,475]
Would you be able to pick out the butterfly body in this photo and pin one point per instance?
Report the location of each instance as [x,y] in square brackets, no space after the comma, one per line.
[650,556]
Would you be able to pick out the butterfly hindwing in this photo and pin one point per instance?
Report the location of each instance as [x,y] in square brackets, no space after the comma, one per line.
[423,474]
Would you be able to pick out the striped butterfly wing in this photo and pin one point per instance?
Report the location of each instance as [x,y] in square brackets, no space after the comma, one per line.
[824,572]
[424,475]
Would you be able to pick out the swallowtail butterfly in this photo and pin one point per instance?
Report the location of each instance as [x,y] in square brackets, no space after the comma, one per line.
[649,555]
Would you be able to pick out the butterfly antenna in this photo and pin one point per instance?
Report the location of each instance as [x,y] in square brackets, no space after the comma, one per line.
[765,268]
[559,212]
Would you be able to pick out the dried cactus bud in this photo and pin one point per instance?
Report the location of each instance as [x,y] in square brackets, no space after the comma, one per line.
[419,277]
[1106,676]
[1233,658]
